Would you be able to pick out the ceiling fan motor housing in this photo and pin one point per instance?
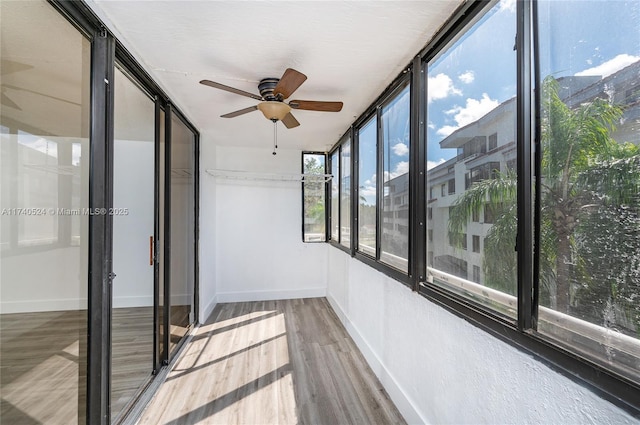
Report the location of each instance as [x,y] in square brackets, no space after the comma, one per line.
[266,87]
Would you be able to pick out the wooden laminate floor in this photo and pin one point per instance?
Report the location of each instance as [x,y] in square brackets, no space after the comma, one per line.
[43,363]
[272,362]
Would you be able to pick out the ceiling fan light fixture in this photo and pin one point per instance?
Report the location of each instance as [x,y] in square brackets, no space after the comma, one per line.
[274,110]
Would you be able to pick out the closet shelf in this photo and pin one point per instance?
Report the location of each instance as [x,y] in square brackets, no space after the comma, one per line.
[251,175]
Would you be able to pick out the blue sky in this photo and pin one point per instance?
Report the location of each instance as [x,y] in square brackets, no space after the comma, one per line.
[478,72]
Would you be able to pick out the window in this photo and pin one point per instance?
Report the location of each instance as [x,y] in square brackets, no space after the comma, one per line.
[394,241]
[483,77]
[335,195]
[367,186]
[588,79]
[475,216]
[345,194]
[44,225]
[475,243]
[488,170]
[476,274]
[313,197]
[589,262]
[493,141]
[477,145]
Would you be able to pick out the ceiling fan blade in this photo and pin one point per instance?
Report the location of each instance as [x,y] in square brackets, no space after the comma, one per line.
[313,105]
[230,89]
[240,112]
[290,121]
[290,81]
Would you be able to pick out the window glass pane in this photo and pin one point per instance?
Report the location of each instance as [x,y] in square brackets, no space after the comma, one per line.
[368,187]
[590,212]
[313,197]
[335,196]
[133,229]
[345,194]
[471,89]
[394,241]
[182,236]
[44,198]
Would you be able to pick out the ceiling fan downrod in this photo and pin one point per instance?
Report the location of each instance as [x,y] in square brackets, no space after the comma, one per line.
[275,135]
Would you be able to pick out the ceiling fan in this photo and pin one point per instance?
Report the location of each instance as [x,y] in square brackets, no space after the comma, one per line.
[273,92]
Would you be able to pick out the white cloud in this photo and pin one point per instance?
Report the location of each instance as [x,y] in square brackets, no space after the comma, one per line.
[431,125]
[472,111]
[447,130]
[467,77]
[401,168]
[367,191]
[508,5]
[609,67]
[434,164]
[400,149]
[440,87]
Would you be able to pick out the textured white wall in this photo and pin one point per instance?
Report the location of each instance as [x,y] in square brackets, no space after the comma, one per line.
[440,369]
[259,250]
[208,234]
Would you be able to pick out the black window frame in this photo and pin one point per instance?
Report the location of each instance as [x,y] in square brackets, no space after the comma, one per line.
[325,188]
[347,136]
[520,332]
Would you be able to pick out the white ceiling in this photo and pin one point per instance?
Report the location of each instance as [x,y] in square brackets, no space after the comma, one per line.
[349,50]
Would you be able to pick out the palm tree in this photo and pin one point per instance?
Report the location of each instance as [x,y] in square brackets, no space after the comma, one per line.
[583,171]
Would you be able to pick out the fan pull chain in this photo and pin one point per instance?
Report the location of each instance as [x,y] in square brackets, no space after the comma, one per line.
[275,136]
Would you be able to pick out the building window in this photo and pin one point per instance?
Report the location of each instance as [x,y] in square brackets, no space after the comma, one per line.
[475,243]
[430,235]
[430,213]
[313,197]
[476,274]
[488,170]
[451,184]
[443,190]
[493,141]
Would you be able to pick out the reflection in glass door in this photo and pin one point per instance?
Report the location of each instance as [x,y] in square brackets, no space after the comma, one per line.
[44,240]
[132,332]
[182,193]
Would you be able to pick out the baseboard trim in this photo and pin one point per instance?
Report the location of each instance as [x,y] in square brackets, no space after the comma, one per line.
[286,294]
[206,312]
[395,391]
[38,306]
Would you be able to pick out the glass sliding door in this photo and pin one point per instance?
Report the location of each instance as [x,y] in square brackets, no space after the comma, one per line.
[182,231]
[44,182]
[133,242]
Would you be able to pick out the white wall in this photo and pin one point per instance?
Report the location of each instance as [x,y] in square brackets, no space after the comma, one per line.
[259,250]
[440,369]
[208,234]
